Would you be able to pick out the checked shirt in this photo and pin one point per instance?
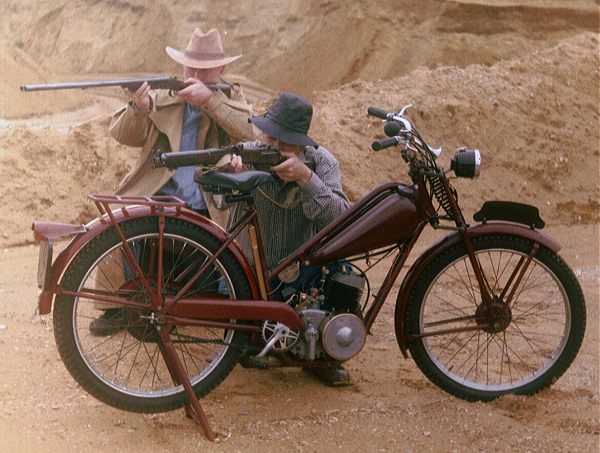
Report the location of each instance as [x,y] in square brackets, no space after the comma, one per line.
[314,206]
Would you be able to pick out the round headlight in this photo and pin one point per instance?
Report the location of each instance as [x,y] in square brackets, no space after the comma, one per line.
[466,163]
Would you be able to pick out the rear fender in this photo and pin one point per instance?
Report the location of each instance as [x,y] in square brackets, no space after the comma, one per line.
[48,231]
[440,246]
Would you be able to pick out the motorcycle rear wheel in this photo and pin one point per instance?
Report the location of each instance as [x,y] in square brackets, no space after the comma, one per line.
[534,340]
[125,368]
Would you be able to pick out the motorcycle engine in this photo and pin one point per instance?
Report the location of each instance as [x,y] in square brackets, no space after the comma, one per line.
[334,326]
[344,292]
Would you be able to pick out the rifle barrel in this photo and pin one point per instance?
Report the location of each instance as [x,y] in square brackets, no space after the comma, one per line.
[155,82]
[190,158]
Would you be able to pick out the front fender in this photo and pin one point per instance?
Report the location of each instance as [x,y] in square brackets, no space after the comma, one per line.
[101,224]
[440,246]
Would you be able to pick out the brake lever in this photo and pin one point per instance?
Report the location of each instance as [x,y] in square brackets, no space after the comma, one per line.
[405,108]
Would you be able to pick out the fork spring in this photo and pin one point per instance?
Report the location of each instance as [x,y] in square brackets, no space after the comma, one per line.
[437,188]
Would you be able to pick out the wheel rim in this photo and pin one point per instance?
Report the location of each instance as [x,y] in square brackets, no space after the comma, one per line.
[129,360]
[495,360]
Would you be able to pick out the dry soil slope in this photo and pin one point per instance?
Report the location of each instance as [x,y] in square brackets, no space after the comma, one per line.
[534,118]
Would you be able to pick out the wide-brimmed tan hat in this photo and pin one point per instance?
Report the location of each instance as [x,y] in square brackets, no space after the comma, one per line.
[204,51]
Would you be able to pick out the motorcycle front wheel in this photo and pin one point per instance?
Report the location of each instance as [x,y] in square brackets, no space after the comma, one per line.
[538,325]
[120,363]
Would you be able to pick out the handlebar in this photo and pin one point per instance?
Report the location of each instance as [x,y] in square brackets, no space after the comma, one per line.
[379,113]
[392,129]
[400,125]
[397,128]
[378,145]
[400,131]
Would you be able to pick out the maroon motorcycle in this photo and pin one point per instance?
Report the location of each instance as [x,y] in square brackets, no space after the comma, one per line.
[490,309]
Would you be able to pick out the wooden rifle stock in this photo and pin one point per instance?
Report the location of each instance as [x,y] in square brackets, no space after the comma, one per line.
[156,83]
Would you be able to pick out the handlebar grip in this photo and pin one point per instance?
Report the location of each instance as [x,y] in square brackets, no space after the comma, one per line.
[378,145]
[379,113]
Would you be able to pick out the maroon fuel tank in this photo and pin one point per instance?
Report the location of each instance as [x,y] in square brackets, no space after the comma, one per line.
[389,218]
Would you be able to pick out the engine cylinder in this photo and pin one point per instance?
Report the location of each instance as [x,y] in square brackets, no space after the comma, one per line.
[344,292]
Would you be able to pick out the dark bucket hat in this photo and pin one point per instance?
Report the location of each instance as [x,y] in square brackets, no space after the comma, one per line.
[287,119]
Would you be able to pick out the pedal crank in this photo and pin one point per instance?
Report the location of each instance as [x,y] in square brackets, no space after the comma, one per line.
[278,336]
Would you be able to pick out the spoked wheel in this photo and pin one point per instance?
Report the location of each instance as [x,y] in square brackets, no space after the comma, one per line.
[520,343]
[122,364]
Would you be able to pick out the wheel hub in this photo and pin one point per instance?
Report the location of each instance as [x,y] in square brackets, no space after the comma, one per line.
[495,317]
[141,324]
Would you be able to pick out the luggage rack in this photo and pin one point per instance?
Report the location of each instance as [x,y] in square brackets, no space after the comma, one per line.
[103,202]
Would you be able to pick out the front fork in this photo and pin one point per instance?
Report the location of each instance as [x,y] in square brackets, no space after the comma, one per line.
[484,287]
[489,298]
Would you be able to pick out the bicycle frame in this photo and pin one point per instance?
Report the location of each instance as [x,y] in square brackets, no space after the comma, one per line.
[338,240]
[392,215]
[390,218]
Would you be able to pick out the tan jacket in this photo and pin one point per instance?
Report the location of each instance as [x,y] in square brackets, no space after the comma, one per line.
[141,129]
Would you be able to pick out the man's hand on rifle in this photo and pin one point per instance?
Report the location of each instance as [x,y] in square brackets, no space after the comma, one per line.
[196,94]
[292,169]
[236,165]
[140,97]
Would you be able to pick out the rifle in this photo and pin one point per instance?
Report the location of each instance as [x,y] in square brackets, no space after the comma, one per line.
[252,153]
[159,82]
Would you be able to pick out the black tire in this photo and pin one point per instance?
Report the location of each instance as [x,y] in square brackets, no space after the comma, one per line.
[530,348]
[124,368]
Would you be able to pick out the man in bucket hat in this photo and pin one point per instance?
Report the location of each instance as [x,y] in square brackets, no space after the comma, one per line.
[195,118]
[299,203]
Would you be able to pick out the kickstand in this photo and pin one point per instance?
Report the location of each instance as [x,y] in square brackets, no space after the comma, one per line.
[193,409]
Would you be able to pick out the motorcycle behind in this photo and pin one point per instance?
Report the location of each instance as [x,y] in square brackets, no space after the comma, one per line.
[489,309]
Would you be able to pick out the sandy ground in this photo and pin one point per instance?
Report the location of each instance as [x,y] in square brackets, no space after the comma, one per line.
[390,405]
[518,79]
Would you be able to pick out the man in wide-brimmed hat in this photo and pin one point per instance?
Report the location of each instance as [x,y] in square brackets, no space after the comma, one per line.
[194,118]
[299,202]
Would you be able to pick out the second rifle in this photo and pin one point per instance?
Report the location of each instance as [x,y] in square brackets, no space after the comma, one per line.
[252,153]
